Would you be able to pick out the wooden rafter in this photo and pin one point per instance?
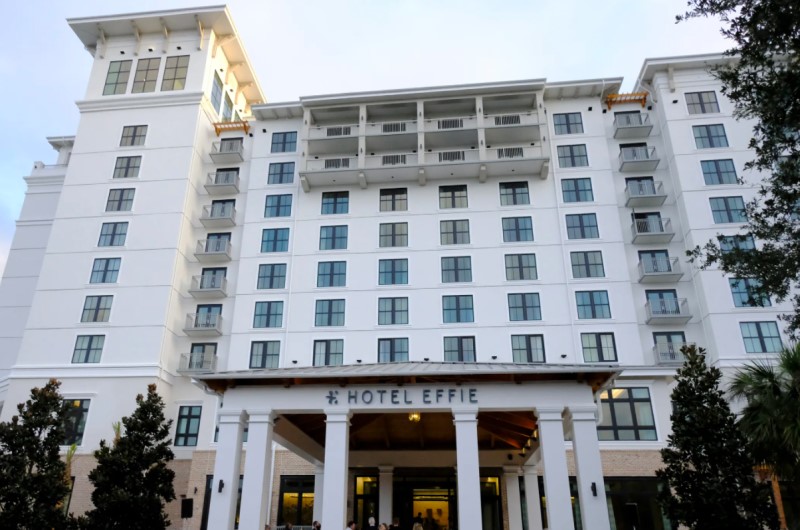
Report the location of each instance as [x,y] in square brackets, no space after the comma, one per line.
[632,97]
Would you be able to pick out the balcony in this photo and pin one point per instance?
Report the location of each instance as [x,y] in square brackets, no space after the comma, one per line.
[391,127]
[337,163]
[328,132]
[638,158]
[222,183]
[644,193]
[218,216]
[512,119]
[452,156]
[213,251]
[203,325]
[209,286]
[227,151]
[658,230]
[659,270]
[197,363]
[391,160]
[669,353]
[447,124]
[669,311]
[632,126]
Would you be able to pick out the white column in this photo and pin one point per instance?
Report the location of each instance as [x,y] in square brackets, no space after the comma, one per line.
[511,475]
[554,465]
[468,469]
[532,497]
[386,494]
[318,476]
[256,485]
[334,495]
[227,464]
[589,468]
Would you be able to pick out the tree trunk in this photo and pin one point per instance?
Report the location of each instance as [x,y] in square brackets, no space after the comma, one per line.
[776,493]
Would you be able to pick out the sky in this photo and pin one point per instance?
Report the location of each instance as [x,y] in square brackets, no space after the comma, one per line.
[313,47]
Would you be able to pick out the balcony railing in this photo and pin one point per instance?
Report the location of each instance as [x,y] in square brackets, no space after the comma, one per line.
[216,216]
[512,152]
[333,131]
[391,160]
[667,311]
[333,163]
[227,151]
[203,324]
[197,362]
[454,156]
[652,230]
[209,286]
[454,123]
[669,352]
[644,193]
[213,250]
[638,158]
[222,182]
[391,127]
[510,119]
[659,269]
[632,125]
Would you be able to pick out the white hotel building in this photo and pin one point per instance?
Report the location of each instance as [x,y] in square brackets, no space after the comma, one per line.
[455,301]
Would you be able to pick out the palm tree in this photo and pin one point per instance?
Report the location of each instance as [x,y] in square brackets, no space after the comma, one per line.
[771,416]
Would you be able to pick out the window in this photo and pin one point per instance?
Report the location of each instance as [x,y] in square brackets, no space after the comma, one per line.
[577,190]
[227,108]
[592,304]
[668,345]
[213,278]
[457,269]
[524,306]
[217,242]
[454,232]
[521,267]
[222,209]
[127,167]
[599,347]
[641,187]
[393,235]
[117,77]
[120,200]
[393,350]
[582,226]
[201,354]
[392,311]
[75,421]
[175,71]
[331,273]
[517,229]
[393,272]
[88,349]
[329,313]
[284,142]
[281,173]
[702,102]
[569,123]
[587,264]
[738,242]
[334,202]
[572,156]
[745,293]
[133,135]
[708,136]
[207,316]
[627,415]
[452,197]
[96,309]
[663,302]
[271,276]
[146,75]
[761,337]
[655,261]
[268,315]
[718,172]
[514,193]
[105,270]
[333,237]
[457,309]
[459,349]
[265,353]
[275,240]
[278,206]
[527,348]
[188,426]
[216,92]
[328,352]
[394,200]
[728,209]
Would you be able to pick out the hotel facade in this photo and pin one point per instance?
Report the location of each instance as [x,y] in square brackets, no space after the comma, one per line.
[462,305]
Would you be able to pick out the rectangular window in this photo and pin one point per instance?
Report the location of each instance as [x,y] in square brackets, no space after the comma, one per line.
[334,202]
[599,347]
[392,311]
[393,272]
[627,415]
[265,353]
[105,270]
[514,193]
[718,172]
[745,293]
[702,102]
[328,352]
[569,123]
[393,350]
[227,108]
[329,313]
[278,206]
[521,267]
[394,200]
[333,237]
[453,196]
[127,167]
[271,276]
[572,156]
[761,337]
[268,315]
[393,235]
[144,80]
[188,426]
[527,348]
[457,309]
[517,229]
[120,200]
[275,240]
[728,209]
[96,309]
[709,136]
[281,173]
[738,242]
[284,142]
[524,306]
[457,269]
[459,349]
[587,264]
[175,71]
[133,135]
[213,277]
[592,304]
[216,92]
[117,77]
[582,226]
[88,349]
[577,190]
[331,273]
[75,421]
[454,232]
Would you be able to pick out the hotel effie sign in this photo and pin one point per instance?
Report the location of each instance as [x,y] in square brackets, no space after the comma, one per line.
[403,396]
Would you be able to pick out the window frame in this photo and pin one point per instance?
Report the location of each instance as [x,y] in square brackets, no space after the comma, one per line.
[527,349]
[593,304]
[335,203]
[187,425]
[273,240]
[284,142]
[699,106]
[587,267]
[728,209]
[393,200]
[578,191]
[524,307]
[707,136]
[127,167]
[720,175]
[514,193]
[331,238]
[175,74]
[121,78]
[514,230]
[393,311]
[761,337]
[97,308]
[453,196]
[120,199]
[456,232]
[520,267]
[329,312]
[610,415]
[278,205]
[462,312]
[394,354]
[584,229]
[268,314]
[599,347]
[743,292]
[569,156]
[267,359]
[456,269]
[267,272]
[395,237]
[282,172]
[105,270]
[393,271]
[146,76]
[335,276]
[328,353]
[88,351]
[133,135]
[461,351]
[568,124]
[75,420]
